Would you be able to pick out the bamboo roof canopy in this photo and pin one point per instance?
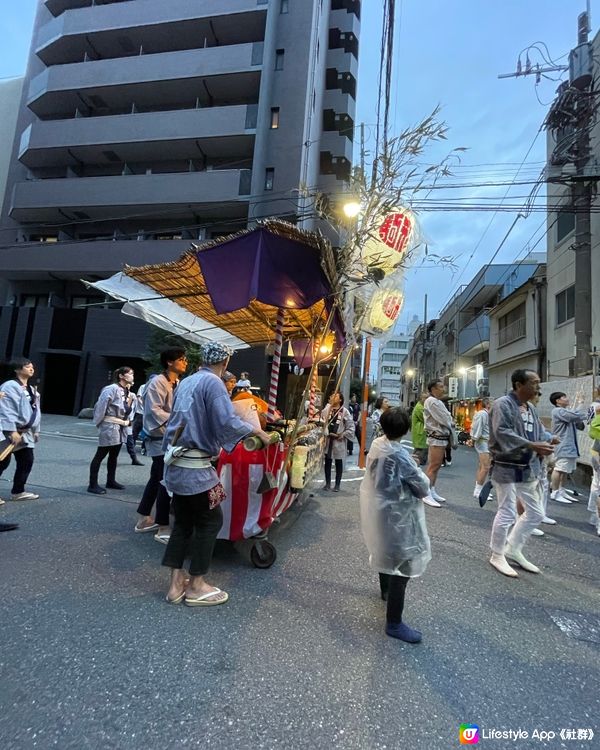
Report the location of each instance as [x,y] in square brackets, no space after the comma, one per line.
[237,284]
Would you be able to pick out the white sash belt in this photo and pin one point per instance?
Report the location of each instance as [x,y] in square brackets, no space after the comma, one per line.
[115,420]
[187,458]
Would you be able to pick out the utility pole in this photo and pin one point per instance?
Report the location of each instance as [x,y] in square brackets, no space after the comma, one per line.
[582,203]
[574,109]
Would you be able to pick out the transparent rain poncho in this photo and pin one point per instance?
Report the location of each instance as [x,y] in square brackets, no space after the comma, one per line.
[391,510]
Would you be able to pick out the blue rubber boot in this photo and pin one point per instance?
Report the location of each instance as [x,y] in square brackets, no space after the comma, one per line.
[403,632]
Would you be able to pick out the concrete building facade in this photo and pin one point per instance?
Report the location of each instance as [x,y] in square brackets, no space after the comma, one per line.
[393,350]
[572,162]
[10,96]
[457,343]
[146,125]
[518,333]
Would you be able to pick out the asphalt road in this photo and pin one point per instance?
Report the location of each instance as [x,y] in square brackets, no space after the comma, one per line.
[92,657]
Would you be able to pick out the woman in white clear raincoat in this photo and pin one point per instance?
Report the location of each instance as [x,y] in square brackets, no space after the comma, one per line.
[393,518]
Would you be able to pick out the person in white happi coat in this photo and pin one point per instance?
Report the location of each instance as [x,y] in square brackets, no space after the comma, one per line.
[112,414]
[20,419]
[158,402]
[438,426]
[339,428]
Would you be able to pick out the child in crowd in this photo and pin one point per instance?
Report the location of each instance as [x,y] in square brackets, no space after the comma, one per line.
[393,518]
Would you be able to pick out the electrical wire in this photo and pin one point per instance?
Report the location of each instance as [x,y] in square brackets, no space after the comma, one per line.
[494,215]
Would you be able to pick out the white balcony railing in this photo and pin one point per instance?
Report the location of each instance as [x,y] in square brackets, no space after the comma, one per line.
[512,332]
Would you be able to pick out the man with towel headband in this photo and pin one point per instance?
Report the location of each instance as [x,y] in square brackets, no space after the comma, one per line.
[202,422]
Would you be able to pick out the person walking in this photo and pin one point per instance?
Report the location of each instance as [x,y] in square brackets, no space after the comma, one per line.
[111,417]
[158,402]
[593,420]
[202,422]
[594,498]
[138,417]
[565,422]
[393,519]
[354,409]
[480,434]
[417,431]
[130,442]
[20,419]
[438,427]
[339,427]
[517,441]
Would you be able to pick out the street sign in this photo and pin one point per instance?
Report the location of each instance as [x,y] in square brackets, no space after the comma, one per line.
[453,387]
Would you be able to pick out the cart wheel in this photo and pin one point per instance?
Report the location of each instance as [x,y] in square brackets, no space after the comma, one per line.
[263,554]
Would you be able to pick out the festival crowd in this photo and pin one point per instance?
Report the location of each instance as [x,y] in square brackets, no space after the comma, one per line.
[185,423]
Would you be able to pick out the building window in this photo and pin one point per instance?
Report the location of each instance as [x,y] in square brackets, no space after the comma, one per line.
[279,55]
[274,118]
[34,300]
[284,6]
[565,305]
[512,326]
[269,178]
[565,224]
[43,238]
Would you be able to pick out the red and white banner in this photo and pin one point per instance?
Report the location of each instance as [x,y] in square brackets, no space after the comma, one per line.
[246,512]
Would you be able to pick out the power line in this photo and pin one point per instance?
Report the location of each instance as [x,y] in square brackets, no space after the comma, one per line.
[494,216]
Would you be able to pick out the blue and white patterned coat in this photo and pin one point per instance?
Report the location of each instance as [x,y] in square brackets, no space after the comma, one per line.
[113,401]
[16,411]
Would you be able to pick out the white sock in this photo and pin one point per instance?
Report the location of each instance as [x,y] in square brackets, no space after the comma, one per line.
[478,488]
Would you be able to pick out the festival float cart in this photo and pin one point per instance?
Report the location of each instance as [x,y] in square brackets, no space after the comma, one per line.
[269,284]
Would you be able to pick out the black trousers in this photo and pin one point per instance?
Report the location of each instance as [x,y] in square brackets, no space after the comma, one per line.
[24,462]
[136,426]
[339,468]
[394,587]
[194,533]
[155,492]
[130,445]
[112,451]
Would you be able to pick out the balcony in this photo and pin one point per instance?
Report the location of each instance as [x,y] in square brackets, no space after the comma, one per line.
[493,282]
[474,338]
[74,260]
[210,77]
[512,332]
[220,132]
[215,193]
[121,30]
[56,7]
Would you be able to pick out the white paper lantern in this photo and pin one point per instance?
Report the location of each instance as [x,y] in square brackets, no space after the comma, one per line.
[392,236]
[384,309]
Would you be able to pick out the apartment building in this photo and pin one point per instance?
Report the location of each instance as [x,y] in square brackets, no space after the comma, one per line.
[518,333]
[10,96]
[145,125]
[456,344]
[393,350]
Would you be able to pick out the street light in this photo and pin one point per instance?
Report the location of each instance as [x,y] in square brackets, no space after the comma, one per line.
[410,373]
[351,209]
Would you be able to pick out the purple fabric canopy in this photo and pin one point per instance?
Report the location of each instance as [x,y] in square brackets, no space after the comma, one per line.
[266,267]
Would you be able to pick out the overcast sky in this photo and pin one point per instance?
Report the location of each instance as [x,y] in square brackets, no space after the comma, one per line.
[448,52]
